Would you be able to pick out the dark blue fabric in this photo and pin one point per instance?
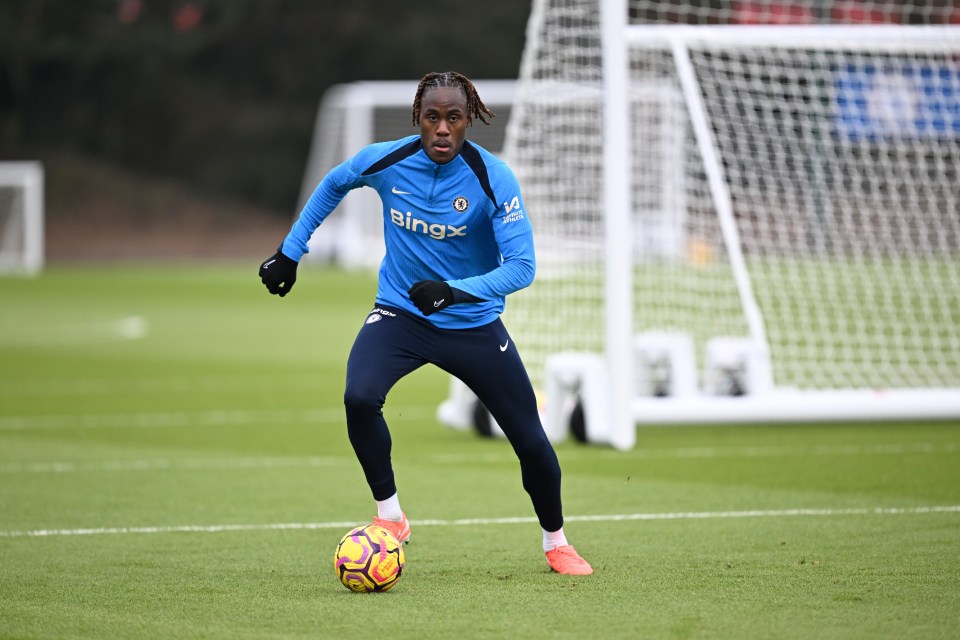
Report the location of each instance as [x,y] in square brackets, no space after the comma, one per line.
[393,343]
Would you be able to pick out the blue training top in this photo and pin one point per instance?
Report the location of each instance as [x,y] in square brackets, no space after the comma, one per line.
[462,222]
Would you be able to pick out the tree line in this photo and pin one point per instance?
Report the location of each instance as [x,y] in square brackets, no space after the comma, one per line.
[222,94]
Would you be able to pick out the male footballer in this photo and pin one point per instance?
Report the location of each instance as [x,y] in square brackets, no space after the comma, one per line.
[458,241]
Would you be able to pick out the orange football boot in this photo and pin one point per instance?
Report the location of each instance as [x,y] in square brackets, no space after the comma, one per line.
[400,529]
[565,559]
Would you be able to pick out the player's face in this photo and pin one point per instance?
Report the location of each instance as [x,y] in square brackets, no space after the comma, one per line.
[443,122]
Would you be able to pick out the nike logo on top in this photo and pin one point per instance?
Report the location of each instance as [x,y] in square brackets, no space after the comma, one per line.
[504,346]
[266,265]
[439,302]
[400,193]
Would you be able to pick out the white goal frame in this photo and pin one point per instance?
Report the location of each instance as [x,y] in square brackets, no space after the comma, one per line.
[21,239]
[773,405]
[605,384]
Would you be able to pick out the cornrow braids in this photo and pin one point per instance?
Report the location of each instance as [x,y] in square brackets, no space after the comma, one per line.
[436,80]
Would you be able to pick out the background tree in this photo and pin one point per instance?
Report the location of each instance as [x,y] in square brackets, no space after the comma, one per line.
[222,94]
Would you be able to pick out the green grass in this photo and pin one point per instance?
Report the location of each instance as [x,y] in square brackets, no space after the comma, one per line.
[218,405]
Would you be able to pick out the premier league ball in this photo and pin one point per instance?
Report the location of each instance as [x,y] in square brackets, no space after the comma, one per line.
[368,559]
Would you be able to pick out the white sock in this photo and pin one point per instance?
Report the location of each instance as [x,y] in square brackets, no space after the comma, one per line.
[389,509]
[553,539]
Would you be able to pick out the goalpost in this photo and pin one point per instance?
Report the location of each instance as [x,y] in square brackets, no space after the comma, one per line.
[21,218]
[738,222]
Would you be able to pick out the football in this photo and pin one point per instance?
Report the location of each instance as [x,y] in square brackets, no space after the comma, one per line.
[368,559]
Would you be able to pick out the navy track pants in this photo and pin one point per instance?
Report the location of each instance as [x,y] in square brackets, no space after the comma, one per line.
[393,343]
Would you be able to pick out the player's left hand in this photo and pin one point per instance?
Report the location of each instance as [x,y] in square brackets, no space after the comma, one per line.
[278,273]
[431,296]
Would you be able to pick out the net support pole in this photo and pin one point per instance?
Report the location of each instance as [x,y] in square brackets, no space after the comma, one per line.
[719,192]
[617,208]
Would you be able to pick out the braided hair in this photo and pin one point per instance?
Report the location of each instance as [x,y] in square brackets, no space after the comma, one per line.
[435,80]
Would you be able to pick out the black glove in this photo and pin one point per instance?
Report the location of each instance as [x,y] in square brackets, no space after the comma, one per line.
[431,296]
[278,274]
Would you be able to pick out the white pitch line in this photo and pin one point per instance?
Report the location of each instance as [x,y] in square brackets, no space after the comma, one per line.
[212,417]
[218,464]
[688,515]
[153,419]
[84,332]
[506,456]
[226,464]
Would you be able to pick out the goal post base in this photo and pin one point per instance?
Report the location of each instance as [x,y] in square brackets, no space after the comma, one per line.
[572,379]
[780,406]
[577,390]
[579,386]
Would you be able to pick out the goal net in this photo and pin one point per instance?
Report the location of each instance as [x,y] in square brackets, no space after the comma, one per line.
[21,218]
[779,238]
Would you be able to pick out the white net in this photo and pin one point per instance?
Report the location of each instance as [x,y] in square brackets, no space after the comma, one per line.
[842,164]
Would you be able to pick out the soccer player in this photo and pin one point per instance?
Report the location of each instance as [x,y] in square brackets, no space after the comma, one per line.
[458,240]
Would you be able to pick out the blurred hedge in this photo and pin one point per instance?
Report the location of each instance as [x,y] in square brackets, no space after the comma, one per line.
[222,94]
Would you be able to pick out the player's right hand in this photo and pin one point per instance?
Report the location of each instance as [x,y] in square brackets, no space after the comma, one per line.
[431,296]
[278,274]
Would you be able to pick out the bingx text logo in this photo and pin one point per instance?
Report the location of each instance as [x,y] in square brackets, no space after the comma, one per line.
[434,230]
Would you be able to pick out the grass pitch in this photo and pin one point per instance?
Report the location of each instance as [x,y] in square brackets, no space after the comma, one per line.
[173,463]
